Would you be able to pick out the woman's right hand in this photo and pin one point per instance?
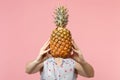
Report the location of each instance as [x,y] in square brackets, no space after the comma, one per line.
[43,51]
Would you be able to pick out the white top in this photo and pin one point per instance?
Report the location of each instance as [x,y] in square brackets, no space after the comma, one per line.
[51,71]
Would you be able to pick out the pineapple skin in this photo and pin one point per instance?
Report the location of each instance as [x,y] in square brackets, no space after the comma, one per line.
[60,42]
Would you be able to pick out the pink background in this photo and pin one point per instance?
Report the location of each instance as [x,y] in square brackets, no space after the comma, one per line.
[26,24]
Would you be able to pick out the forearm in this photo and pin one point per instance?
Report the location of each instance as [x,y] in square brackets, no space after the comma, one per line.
[82,66]
[37,64]
[87,69]
[32,65]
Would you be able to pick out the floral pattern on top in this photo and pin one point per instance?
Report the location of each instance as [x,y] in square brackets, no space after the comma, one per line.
[51,71]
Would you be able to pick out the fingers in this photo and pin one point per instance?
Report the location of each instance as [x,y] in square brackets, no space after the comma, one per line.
[42,50]
[72,41]
[77,51]
[74,44]
[74,50]
[42,53]
[46,44]
[47,41]
[47,50]
[49,55]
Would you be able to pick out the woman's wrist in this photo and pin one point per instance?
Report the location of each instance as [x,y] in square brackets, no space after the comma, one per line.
[39,57]
[36,61]
[82,62]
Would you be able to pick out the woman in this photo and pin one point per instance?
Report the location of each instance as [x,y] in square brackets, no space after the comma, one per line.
[59,68]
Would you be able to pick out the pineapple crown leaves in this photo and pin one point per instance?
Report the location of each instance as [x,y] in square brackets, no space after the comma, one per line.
[61,16]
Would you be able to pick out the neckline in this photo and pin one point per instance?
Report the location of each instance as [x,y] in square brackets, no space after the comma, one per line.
[53,59]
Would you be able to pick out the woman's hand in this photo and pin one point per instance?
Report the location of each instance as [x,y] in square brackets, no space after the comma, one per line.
[77,54]
[82,67]
[45,49]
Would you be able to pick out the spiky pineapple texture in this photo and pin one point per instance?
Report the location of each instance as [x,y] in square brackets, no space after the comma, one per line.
[60,40]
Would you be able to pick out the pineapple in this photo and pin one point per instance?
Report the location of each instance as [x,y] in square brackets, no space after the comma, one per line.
[60,39]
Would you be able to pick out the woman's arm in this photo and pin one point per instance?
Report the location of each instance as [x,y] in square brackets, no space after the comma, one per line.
[35,65]
[83,68]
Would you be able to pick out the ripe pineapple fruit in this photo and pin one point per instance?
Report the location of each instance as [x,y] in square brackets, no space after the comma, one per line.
[60,39]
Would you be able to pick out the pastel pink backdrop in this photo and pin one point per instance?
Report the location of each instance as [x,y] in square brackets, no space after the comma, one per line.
[26,24]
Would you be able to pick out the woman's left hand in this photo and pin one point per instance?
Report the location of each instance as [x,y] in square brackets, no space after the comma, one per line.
[77,54]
